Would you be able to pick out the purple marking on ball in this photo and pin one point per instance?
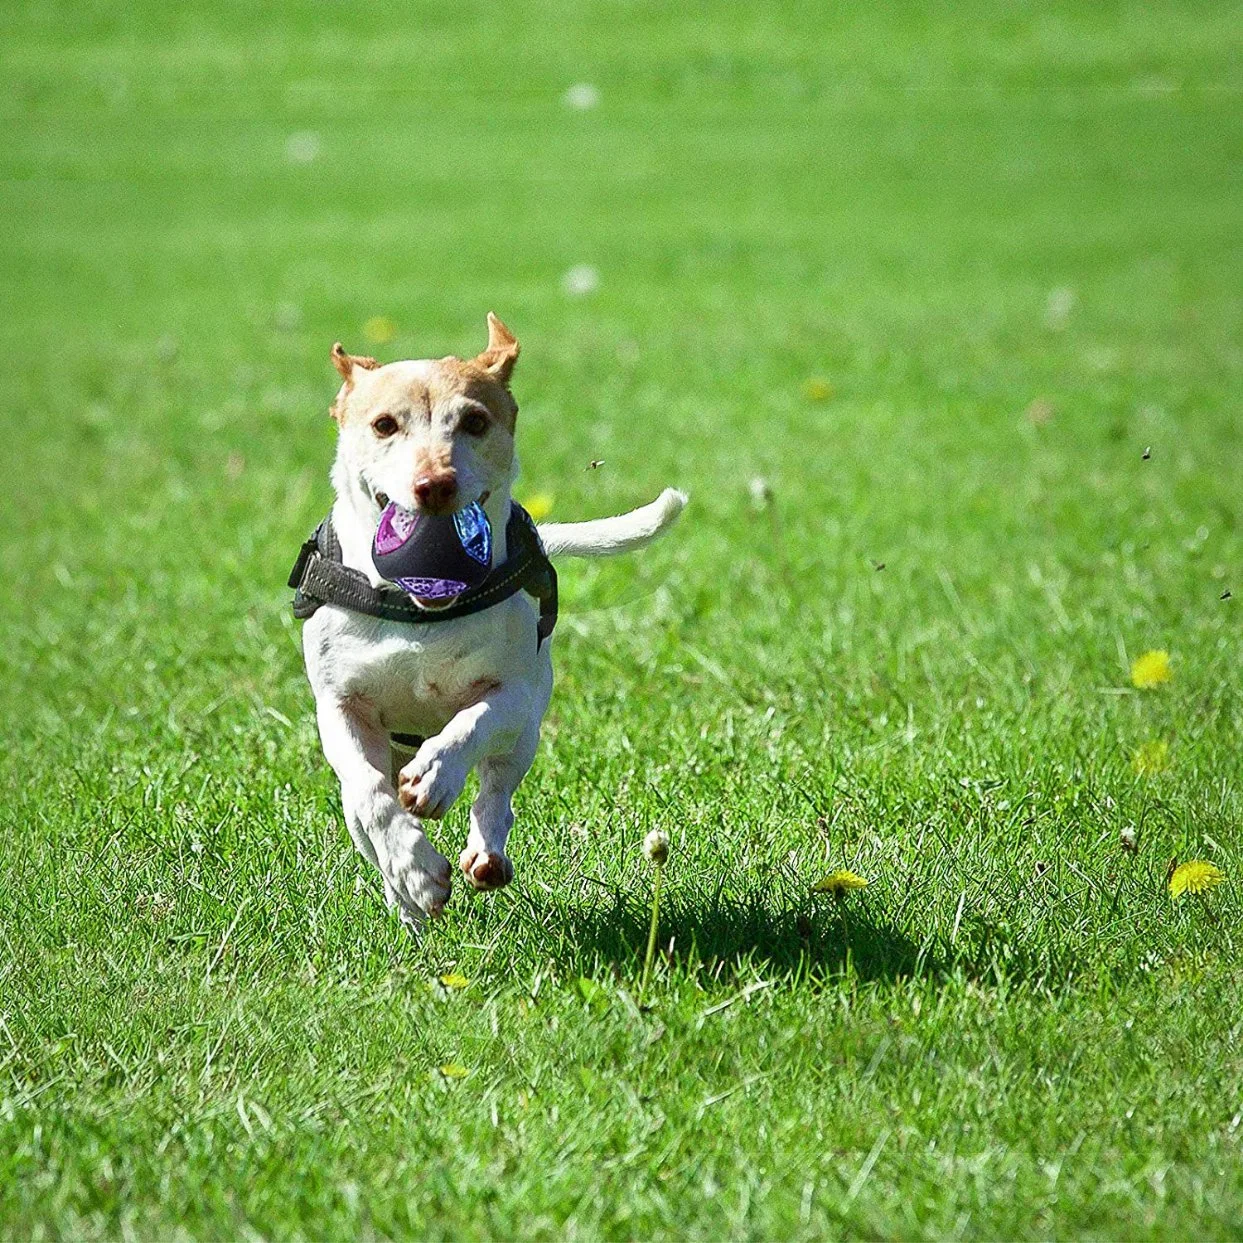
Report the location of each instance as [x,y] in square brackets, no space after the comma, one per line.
[396,526]
[431,588]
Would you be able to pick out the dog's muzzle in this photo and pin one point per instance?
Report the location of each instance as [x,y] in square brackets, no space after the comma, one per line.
[433,556]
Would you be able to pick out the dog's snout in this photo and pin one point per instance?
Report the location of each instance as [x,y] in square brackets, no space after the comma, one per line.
[436,492]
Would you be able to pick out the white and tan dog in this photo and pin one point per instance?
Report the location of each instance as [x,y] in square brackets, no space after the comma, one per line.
[436,436]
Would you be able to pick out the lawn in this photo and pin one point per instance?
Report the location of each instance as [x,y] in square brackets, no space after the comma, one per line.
[963,287]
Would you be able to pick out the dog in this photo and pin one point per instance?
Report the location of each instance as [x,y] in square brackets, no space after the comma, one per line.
[469,692]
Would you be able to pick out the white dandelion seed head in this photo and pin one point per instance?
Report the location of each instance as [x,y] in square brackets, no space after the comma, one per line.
[580,280]
[582,96]
[287,317]
[761,492]
[302,147]
[656,846]
[1058,306]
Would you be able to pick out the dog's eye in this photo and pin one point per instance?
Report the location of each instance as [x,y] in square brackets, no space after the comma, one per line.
[384,426]
[474,423]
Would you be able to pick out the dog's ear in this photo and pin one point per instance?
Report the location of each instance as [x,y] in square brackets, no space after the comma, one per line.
[345,363]
[502,352]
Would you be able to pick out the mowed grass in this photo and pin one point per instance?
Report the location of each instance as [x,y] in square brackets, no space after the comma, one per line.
[941,278]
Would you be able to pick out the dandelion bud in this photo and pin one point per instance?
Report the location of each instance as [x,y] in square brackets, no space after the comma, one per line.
[656,846]
[1129,839]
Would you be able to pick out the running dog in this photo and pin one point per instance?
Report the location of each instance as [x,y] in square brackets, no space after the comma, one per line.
[411,694]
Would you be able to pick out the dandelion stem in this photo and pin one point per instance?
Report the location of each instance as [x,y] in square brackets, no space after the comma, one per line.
[651,934]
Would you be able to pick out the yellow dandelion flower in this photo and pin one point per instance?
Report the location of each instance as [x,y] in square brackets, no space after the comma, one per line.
[379,330]
[1151,670]
[1151,758]
[453,1070]
[839,883]
[454,979]
[1195,876]
[538,505]
[817,389]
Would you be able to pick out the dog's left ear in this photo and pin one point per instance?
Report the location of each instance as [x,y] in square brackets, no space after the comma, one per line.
[502,352]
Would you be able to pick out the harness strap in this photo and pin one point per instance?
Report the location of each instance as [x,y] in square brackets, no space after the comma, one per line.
[319,577]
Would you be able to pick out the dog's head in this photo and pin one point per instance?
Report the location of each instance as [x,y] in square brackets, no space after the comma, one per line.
[433,435]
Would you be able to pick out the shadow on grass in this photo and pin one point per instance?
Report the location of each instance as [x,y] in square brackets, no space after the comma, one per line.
[724,936]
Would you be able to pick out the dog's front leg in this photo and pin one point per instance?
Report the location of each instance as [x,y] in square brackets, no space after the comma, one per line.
[430,784]
[484,862]
[416,875]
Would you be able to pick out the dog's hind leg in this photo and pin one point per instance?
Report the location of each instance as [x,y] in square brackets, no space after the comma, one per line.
[484,862]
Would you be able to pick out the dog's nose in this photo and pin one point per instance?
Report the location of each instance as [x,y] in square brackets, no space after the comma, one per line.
[437,492]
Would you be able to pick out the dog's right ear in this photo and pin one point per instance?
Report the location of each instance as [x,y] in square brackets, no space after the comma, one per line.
[345,363]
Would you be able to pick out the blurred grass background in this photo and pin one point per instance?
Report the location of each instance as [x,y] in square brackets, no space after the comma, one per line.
[940,277]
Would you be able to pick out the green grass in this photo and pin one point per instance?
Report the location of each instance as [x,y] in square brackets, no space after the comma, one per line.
[210,1027]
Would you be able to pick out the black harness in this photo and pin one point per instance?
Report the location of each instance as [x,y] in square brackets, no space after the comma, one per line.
[319,577]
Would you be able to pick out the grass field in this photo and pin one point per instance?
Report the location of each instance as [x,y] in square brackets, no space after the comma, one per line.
[941,277]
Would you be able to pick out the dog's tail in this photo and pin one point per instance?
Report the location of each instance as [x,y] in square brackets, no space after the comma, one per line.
[602,537]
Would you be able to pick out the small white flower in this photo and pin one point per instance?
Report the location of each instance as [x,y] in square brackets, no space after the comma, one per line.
[581,96]
[1129,839]
[656,846]
[196,847]
[580,280]
[302,147]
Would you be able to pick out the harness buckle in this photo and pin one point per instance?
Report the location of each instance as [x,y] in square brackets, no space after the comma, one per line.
[309,548]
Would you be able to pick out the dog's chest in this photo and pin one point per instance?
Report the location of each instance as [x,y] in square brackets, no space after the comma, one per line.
[418,677]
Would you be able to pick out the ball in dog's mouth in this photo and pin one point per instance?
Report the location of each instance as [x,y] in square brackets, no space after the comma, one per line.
[433,557]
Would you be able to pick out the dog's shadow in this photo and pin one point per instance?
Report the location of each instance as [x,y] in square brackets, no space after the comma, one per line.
[731,936]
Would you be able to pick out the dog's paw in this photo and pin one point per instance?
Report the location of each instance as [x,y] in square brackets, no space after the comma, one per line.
[418,879]
[410,916]
[431,783]
[486,869]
